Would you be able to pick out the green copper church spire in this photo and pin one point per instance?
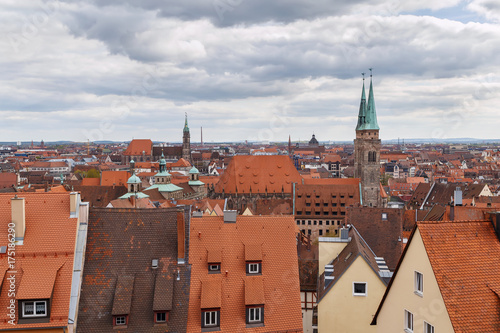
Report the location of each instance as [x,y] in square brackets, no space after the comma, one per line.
[186,128]
[371,114]
[362,107]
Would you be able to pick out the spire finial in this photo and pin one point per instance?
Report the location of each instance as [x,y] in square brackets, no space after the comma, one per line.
[363,74]
[370,71]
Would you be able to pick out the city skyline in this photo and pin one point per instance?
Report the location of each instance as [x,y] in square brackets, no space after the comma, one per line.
[245,70]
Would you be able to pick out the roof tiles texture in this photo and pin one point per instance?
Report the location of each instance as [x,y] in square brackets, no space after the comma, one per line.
[464,256]
[280,274]
[258,174]
[136,147]
[383,235]
[123,242]
[45,261]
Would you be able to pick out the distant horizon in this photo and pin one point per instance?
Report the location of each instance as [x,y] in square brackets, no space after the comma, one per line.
[390,141]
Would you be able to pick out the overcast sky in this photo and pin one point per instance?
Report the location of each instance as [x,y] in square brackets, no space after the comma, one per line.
[247,69]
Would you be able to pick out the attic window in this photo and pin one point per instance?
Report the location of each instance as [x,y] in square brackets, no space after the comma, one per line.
[120,320]
[32,309]
[359,288]
[161,316]
[214,268]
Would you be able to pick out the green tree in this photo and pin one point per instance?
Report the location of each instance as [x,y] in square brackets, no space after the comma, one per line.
[93,173]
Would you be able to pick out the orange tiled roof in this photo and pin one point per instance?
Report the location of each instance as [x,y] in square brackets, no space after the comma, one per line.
[254,290]
[90,182]
[48,250]
[117,178]
[280,274]
[136,147]
[465,259]
[248,173]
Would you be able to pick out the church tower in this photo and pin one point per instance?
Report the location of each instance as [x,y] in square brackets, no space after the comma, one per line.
[186,142]
[367,149]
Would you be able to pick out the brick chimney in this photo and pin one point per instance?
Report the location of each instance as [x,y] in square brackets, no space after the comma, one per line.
[19,218]
[181,238]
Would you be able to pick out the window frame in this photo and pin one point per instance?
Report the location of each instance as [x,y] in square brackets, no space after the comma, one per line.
[354,293]
[255,309]
[165,313]
[214,267]
[428,328]
[125,319]
[34,315]
[206,314]
[408,323]
[250,264]
[419,287]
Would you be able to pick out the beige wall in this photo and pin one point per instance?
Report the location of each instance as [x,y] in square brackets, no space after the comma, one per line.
[329,251]
[429,307]
[341,312]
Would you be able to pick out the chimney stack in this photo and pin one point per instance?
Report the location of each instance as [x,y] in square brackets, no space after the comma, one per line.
[18,218]
[74,201]
[230,216]
[457,200]
[181,238]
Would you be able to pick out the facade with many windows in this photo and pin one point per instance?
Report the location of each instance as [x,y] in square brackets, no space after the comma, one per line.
[320,210]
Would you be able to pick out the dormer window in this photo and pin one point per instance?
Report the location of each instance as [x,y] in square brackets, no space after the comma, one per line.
[32,309]
[161,317]
[254,267]
[121,320]
[214,268]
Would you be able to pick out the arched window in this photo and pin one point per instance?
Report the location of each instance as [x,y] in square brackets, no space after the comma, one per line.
[372,156]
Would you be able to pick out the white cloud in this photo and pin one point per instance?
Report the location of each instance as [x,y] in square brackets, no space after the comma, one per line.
[140,66]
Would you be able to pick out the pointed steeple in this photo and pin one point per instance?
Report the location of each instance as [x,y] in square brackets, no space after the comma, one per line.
[371,114]
[186,128]
[362,108]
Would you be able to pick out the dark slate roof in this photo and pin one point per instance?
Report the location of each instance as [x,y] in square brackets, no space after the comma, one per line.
[120,248]
[383,236]
[355,248]
[100,196]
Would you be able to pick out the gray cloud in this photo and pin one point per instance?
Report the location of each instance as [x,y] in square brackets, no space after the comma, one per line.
[141,64]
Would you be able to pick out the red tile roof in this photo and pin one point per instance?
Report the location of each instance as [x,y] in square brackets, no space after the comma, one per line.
[280,274]
[46,255]
[116,178]
[256,174]
[465,259]
[138,146]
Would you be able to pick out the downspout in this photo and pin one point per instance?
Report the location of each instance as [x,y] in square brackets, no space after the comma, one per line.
[360,195]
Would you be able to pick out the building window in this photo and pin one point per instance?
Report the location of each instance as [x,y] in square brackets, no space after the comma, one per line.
[214,268]
[299,212]
[315,222]
[320,232]
[121,320]
[255,315]
[419,283]
[384,216]
[254,268]
[303,222]
[34,309]
[327,222]
[161,317]
[298,222]
[317,204]
[408,321]
[309,222]
[210,318]
[320,222]
[359,288]
[428,328]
